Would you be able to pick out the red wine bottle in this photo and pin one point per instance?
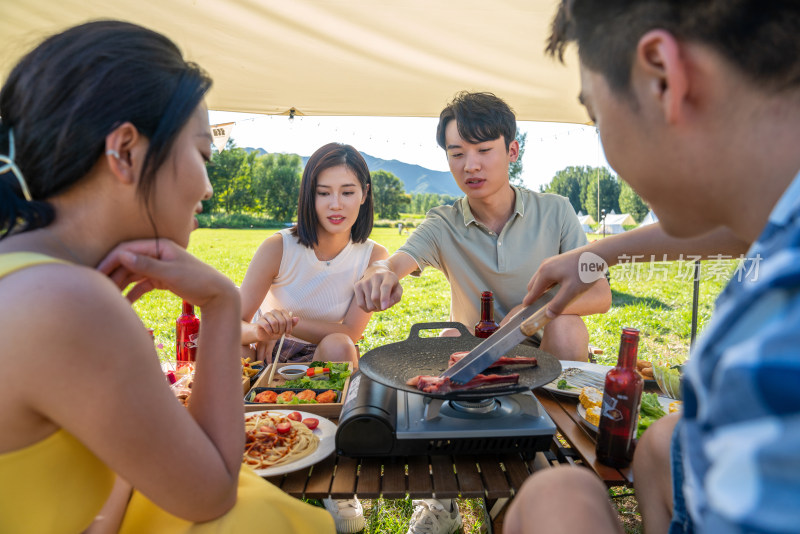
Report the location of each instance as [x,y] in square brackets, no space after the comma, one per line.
[621,399]
[486,326]
[187,328]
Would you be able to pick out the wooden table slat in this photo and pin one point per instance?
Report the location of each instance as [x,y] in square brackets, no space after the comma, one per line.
[516,470]
[419,477]
[369,478]
[394,478]
[295,483]
[344,482]
[494,478]
[574,432]
[276,480]
[445,484]
[474,476]
[319,483]
[469,479]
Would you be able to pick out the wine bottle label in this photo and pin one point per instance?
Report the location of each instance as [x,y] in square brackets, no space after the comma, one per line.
[191,343]
[610,409]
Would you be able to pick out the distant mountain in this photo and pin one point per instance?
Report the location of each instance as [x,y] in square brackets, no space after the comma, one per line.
[416,179]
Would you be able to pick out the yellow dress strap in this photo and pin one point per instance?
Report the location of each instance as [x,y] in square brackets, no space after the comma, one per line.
[14,261]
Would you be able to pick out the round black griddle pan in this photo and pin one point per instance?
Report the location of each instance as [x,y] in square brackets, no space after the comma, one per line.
[394,364]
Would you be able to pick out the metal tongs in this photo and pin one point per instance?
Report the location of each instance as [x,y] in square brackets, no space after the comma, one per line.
[523,324]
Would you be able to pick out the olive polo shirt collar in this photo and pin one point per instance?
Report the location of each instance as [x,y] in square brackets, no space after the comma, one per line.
[469,218]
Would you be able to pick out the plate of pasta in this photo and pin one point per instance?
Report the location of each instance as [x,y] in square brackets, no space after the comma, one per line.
[283,441]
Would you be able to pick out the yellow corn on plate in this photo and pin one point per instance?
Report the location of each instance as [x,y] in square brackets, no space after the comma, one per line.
[675,406]
[590,397]
[593,415]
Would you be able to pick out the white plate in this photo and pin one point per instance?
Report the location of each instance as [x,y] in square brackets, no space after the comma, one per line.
[299,369]
[582,413]
[326,432]
[595,369]
[664,401]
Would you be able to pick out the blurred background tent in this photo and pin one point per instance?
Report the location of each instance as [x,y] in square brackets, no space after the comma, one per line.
[615,223]
[587,221]
[650,218]
[339,57]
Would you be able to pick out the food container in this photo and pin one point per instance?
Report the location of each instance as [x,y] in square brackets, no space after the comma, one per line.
[669,380]
[249,380]
[248,401]
[292,372]
[183,388]
[326,410]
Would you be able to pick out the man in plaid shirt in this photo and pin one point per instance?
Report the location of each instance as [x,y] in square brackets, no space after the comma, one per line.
[698,107]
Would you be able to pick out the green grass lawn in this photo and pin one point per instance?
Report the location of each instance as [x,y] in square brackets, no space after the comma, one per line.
[655,298]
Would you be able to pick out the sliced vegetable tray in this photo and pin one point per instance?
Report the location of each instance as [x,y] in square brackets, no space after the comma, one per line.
[279,385]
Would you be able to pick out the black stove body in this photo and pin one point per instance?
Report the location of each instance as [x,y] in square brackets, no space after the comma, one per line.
[377,420]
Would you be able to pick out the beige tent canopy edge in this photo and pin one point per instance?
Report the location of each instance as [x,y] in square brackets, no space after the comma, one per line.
[339,57]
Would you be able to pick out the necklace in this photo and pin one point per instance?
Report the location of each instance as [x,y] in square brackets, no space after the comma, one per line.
[324,258]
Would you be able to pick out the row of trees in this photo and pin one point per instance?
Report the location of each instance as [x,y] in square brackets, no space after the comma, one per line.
[580,185]
[252,183]
[421,203]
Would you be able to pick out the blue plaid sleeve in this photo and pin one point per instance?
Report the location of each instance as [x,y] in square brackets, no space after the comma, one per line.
[742,427]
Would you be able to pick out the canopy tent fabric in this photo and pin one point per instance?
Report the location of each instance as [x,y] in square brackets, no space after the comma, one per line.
[339,57]
[615,223]
[650,218]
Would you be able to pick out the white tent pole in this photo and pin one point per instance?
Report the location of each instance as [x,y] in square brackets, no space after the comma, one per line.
[597,170]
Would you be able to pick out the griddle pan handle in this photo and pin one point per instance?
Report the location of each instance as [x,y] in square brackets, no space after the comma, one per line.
[416,328]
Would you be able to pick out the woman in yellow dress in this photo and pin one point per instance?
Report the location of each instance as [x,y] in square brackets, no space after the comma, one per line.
[104,137]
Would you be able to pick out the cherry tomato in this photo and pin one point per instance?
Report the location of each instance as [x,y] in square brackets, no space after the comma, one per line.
[267,429]
[311,422]
[294,416]
[283,428]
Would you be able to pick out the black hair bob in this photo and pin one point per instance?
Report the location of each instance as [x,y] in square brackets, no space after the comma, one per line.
[325,157]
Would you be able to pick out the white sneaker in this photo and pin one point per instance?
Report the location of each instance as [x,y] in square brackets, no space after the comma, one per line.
[431,517]
[347,514]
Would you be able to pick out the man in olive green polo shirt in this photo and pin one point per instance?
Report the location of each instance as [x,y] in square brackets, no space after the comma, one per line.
[495,237]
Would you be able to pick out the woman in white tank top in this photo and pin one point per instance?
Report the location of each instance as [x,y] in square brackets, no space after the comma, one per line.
[300,281]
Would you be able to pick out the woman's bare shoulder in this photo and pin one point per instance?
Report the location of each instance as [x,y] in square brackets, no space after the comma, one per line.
[57,303]
[379,252]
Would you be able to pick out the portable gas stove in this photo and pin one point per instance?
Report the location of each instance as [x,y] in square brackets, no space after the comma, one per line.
[378,420]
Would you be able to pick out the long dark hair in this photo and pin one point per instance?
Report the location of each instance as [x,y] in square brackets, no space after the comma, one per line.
[71,91]
[325,157]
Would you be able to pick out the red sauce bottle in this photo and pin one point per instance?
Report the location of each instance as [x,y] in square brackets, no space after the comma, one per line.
[621,399]
[187,328]
[486,326]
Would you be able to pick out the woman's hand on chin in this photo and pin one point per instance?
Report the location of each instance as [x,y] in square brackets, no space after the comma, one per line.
[162,264]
